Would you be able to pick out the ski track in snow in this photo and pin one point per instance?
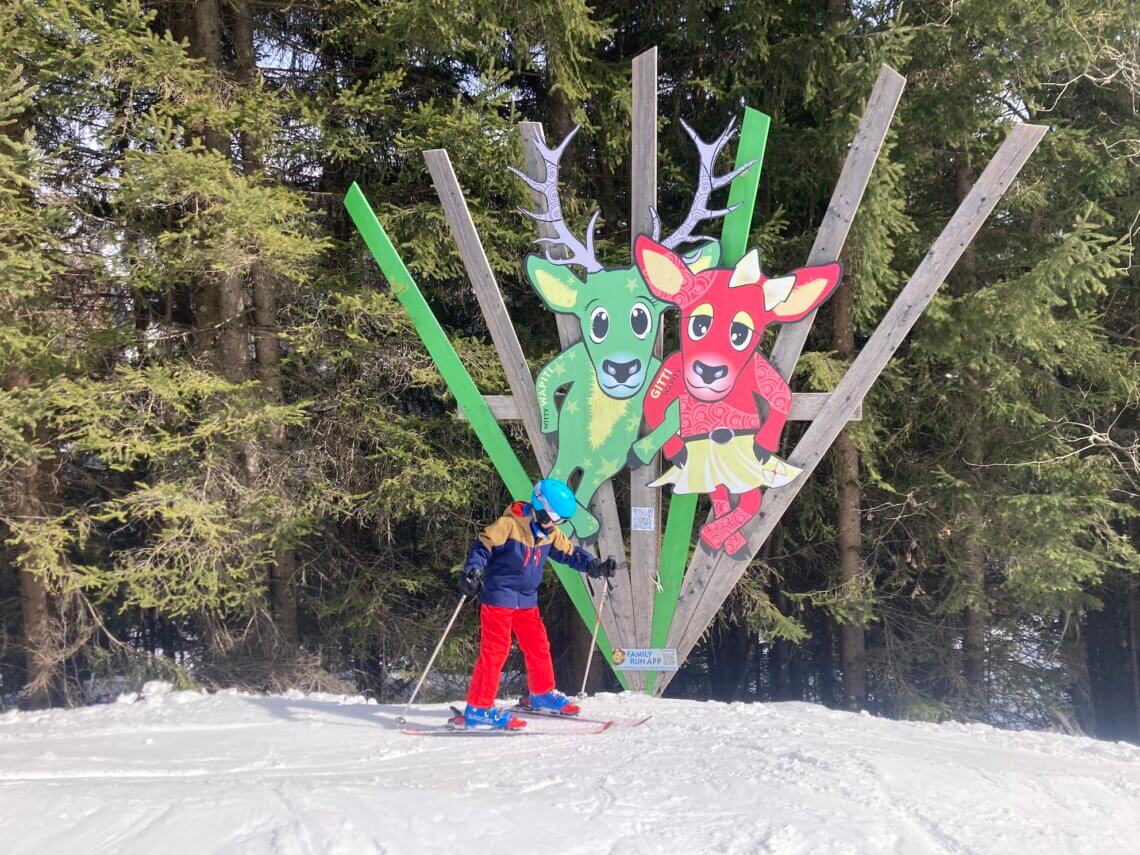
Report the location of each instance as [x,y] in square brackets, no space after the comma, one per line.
[186,772]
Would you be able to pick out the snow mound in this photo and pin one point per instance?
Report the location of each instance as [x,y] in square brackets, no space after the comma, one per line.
[186,772]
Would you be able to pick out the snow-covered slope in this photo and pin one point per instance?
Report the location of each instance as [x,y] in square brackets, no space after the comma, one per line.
[188,773]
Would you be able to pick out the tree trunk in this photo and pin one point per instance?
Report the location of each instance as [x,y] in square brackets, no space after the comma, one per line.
[268,365]
[730,645]
[775,670]
[32,486]
[222,314]
[826,660]
[36,627]
[1110,660]
[795,673]
[1134,650]
[266,345]
[245,69]
[168,644]
[974,569]
[749,642]
[974,628]
[1079,688]
[220,303]
[849,535]
[206,34]
[845,460]
[30,501]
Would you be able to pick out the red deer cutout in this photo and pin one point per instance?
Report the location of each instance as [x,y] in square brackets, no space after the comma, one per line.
[732,403]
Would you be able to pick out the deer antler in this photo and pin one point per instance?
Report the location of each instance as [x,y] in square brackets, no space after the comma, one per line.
[707,183]
[578,253]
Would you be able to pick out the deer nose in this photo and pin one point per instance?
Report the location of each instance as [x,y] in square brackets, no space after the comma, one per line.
[709,373]
[621,371]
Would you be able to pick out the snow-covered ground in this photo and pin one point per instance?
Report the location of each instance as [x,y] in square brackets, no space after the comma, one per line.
[230,773]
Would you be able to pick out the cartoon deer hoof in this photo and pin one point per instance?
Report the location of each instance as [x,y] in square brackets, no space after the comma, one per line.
[713,535]
[735,544]
[725,532]
[585,527]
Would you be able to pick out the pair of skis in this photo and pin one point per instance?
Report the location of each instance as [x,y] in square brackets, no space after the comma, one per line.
[455,725]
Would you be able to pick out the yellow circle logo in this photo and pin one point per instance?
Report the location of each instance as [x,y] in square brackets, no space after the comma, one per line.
[619,656]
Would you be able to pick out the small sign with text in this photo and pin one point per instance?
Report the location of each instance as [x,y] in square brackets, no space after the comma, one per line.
[645,659]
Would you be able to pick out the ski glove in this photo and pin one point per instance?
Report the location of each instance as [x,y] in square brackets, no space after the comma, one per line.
[598,569]
[471,582]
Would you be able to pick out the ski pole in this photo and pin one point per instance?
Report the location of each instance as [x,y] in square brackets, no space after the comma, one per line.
[435,653]
[594,637]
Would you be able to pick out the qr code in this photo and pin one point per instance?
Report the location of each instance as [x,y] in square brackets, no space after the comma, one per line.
[643,519]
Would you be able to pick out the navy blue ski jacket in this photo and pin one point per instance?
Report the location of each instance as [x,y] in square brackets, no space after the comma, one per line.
[512,551]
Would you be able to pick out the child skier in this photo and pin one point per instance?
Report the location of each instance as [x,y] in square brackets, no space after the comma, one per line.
[504,568]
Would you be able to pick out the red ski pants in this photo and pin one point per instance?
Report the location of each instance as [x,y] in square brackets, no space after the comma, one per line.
[495,625]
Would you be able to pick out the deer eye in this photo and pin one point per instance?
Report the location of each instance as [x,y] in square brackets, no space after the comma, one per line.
[699,326]
[739,336]
[599,324]
[639,320]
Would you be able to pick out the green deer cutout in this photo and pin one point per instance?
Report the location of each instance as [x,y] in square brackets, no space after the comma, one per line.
[605,375]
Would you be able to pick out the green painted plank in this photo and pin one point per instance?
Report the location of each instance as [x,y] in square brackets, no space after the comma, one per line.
[466,393]
[683,509]
[738,224]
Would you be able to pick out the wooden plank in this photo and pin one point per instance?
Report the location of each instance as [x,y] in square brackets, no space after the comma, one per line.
[491,302]
[711,579]
[841,209]
[844,203]
[645,501]
[503,408]
[806,407]
[617,619]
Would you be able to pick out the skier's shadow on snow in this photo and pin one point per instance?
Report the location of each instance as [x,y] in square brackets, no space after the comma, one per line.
[325,712]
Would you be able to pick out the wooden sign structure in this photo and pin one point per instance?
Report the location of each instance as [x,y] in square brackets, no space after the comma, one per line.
[656,602]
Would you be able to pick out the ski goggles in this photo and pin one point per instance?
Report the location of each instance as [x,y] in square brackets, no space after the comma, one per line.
[545,517]
[544,514]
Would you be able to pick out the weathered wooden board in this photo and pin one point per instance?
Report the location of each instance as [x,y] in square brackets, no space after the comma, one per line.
[618,617]
[806,406]
[711,579]
[491,302]
[844,203]
[645,501]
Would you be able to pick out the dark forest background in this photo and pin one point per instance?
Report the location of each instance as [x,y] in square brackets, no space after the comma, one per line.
[225,459]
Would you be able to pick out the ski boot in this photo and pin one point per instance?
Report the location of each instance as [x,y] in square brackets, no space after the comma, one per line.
[551,702]
[491,717]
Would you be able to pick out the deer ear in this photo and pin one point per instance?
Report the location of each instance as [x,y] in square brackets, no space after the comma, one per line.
[556,284]
[812,286]
[747,270]
[663,270]
[703,257]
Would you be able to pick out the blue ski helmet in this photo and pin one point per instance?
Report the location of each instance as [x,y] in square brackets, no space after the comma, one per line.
[554,497]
